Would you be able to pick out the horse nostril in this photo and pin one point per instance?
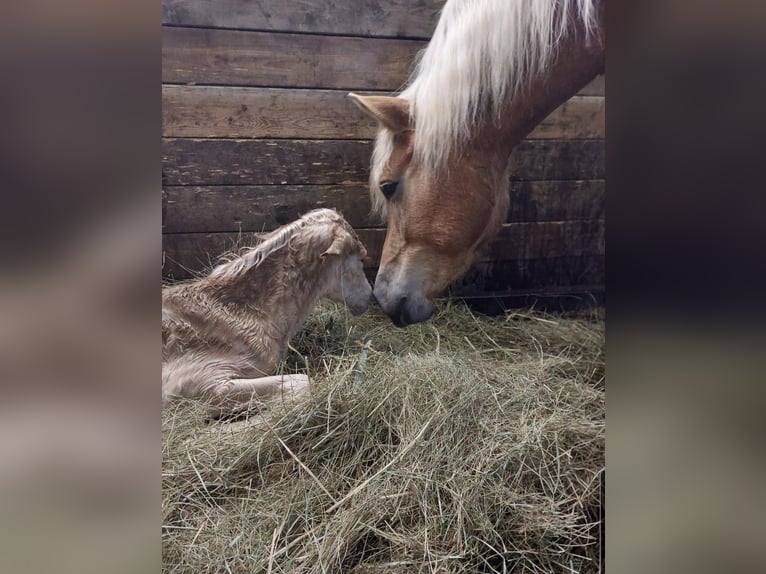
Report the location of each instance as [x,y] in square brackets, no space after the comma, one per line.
[401,316]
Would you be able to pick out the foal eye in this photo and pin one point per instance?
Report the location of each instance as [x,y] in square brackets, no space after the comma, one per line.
[388,188]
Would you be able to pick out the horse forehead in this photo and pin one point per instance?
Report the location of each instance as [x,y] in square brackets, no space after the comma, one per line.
[455,197]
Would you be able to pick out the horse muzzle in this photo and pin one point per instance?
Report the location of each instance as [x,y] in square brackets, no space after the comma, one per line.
[404,309]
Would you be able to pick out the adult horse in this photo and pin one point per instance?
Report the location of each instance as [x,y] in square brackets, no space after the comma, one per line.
[492,71]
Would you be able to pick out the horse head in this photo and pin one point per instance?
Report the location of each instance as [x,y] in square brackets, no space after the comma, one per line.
[437,219]
[491,72]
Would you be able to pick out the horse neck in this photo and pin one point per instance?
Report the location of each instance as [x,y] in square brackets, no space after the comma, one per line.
[578,62]
[307,285]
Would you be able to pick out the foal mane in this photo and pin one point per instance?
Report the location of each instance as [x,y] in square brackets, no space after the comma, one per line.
[482,54]
[273,242]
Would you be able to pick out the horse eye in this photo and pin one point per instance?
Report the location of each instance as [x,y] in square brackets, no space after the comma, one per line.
[388,188]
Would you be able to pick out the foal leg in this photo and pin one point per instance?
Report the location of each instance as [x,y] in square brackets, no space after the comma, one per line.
[236,394]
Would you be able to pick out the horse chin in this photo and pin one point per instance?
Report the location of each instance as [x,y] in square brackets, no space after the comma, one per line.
[358,309]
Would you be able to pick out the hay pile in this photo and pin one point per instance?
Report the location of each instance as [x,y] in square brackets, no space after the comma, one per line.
[466,444]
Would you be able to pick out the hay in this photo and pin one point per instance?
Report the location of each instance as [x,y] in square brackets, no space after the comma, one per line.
[466,444]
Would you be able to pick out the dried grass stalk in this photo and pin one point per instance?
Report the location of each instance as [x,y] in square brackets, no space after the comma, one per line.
[466,444]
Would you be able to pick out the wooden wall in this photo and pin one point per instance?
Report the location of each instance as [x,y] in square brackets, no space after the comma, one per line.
[257,129]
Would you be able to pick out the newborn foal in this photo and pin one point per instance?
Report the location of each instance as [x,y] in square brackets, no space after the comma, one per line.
[223,336]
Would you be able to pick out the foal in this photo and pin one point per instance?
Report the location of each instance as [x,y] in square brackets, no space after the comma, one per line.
[223,336]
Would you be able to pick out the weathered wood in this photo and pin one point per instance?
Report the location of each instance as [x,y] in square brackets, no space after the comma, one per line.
[596,87]
[405,18]
[543,239]
[516,242]
[547,276]
[553,159]
[236,58]
[202,112]
[556,200]
[581,117]
[258,208]
[229,57]
[242,162]
[304,162]
[210,112]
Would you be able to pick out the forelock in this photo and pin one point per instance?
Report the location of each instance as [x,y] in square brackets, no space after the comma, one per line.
[384,146]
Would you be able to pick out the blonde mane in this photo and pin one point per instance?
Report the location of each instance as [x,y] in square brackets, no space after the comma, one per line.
[482,54]
[274,242]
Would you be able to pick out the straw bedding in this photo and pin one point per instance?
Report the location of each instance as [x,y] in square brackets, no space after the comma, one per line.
[465,444]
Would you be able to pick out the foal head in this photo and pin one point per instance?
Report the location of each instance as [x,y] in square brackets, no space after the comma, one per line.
[316,256]
[342,267]
[437,220]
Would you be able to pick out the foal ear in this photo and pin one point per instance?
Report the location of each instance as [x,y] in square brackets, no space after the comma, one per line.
[336,247]
[390,112]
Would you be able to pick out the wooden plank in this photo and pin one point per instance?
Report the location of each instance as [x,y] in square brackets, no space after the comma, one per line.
[557,200]
[553,275]
[403,18]
[553,159]
[597,87]
[259,208]
[236,58]
[581,117]
[211,112]
[234,112]
[254,162]
[228,57]
[184,253]
[535,240]
[304,162]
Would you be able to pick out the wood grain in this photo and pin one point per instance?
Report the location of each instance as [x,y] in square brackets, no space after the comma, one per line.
[596,87]
[547,277]
[194,252]
[237,58]
[259,208]
[558,200]
[404,18]
[234,112]
[226,57]
[314,162]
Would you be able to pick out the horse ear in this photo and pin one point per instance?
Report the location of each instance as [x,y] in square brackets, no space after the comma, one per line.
[390,112]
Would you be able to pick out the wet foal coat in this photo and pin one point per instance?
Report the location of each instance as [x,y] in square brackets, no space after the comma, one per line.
[223,336]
